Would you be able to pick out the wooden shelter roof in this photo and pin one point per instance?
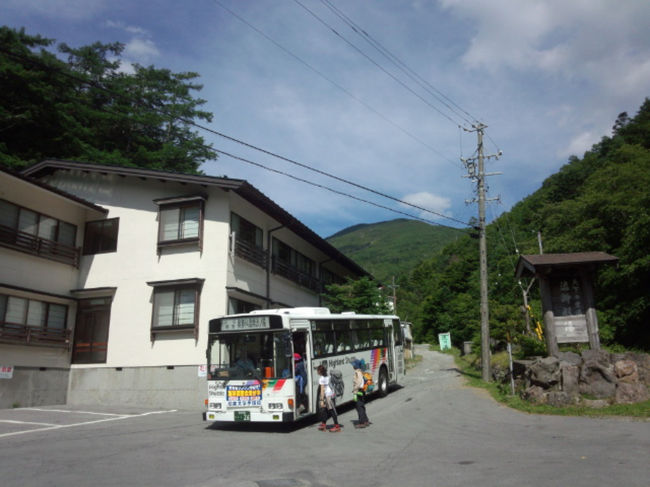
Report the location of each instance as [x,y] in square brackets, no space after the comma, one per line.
[529,265]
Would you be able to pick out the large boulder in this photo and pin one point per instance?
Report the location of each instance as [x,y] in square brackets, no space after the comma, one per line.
[544,372]
[597,376]
[629,393]
[642,361]
[535,394]
[570,358]
[570,379]
[626,371]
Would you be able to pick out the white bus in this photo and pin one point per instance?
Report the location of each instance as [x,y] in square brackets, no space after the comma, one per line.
[250,358]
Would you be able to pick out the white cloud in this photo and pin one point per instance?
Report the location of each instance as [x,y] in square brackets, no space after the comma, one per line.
[429,201]
[131,29]
[555,37]
[141,50]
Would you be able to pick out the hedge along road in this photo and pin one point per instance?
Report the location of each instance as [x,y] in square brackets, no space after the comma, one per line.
[433,431]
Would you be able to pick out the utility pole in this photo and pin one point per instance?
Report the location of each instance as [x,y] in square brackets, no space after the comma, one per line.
[394,287]
[479,177]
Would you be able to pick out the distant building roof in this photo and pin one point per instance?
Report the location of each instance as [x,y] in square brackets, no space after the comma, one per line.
[239,186]
[532,264]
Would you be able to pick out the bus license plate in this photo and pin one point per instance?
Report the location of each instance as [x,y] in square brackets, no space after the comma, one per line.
[242,415]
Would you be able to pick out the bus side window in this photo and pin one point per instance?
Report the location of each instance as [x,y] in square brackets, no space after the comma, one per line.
[363,339]
[323,343]
[377,337]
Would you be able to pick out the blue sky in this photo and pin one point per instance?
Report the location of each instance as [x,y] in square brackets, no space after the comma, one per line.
[547,77]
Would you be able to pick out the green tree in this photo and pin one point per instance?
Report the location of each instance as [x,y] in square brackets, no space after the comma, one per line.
[88,108]
[361,296]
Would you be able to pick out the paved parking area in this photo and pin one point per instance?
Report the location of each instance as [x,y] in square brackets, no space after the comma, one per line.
[23,421]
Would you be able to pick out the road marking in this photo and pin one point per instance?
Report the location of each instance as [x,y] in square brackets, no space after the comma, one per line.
[61,426]
[72,411]
[25,422]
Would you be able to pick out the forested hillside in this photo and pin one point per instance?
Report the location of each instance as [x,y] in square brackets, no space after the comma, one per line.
[393,248]
[598,202]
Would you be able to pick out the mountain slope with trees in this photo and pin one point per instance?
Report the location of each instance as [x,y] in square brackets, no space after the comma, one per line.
[600,202]
[394,247]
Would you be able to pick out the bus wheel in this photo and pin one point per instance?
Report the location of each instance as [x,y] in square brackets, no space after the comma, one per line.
[383,382]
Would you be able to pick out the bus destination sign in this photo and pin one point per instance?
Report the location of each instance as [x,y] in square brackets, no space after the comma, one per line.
[245,323]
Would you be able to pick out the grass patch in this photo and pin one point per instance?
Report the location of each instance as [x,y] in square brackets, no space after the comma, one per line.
[467,364]
[409,363]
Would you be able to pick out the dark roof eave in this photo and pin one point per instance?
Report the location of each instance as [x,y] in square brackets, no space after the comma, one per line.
[532,264]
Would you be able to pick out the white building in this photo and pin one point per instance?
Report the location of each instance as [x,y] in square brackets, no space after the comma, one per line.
[172,252]
[41,232]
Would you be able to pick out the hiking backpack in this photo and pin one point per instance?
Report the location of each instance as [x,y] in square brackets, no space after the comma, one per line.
[368,384]
[336,382]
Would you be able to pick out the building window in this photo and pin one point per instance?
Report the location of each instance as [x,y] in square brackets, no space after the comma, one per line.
[100,236]
[33,321]
[236,306]
[91,331]
[180,220]
[176,305]
[32,232]
[247,240]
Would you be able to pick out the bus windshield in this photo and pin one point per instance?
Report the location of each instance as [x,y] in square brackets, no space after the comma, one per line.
[250,355]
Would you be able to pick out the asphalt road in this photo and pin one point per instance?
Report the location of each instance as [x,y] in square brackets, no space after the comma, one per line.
[433,431]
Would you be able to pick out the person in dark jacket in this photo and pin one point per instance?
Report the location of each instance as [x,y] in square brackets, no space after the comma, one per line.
[359,395]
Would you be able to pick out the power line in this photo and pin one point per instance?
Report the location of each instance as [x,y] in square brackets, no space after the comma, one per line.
[335,84]
[455,122]
[257,164]
[202,127]
[427,86]
[318,171]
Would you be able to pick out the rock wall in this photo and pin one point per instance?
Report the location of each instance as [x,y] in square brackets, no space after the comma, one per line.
[595,378]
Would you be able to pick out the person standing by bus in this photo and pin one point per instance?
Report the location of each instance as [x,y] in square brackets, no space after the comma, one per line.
[359,395]
[326,401]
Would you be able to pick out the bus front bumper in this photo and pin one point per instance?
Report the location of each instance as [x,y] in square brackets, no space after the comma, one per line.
[235,416]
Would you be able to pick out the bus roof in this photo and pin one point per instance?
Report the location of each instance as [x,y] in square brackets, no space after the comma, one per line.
[316,312]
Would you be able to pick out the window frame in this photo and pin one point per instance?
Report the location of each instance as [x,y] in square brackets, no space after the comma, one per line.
[27,236]
[180,203]
[242,245]
[44,333]
[100,239]
[177,287]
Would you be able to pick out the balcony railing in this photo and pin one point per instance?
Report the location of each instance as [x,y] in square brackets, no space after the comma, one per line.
[294,274]
[251,253]
[32,335]
[31,244]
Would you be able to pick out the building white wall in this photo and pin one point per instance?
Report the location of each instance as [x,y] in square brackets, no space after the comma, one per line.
[137,262]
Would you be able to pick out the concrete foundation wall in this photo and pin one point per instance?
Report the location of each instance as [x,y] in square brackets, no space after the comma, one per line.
[31,386]
[151,387]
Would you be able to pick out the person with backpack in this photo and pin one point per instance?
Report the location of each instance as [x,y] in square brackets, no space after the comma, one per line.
[326,401]
[359,393]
